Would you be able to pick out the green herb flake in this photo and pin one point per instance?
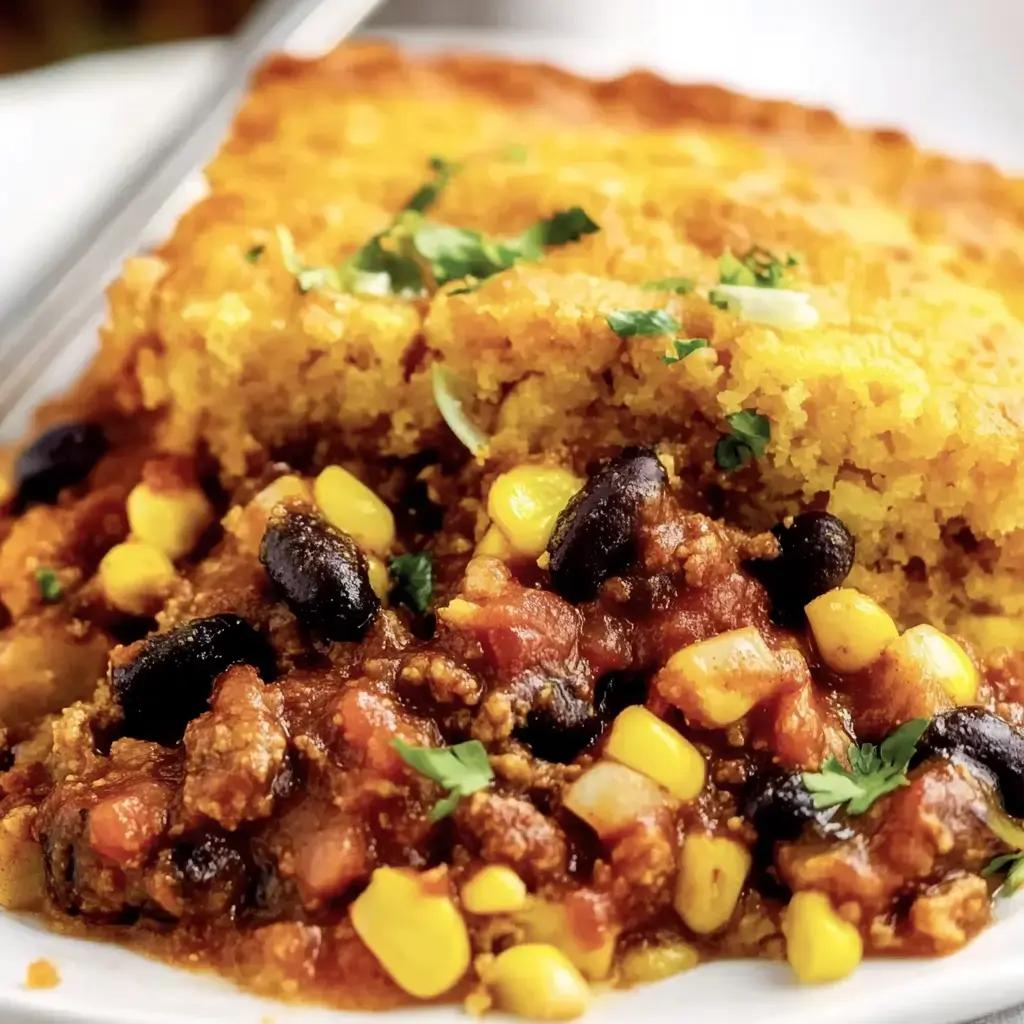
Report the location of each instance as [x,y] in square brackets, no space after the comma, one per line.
[514,152]
[426,195]
[751,432]
[306,278]
[1010,864]
[253,254]
[413,576]
[562,227]
[50,589]
[629,322]
[462,769]
[682,348]
[759,268]
[677,285]
[873,772]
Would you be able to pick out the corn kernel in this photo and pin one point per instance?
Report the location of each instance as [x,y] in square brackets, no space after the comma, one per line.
[850,629]
[924,655]
[537,981]
[284,487]
[494,889]
[135,577]
[525,502]
[716,682]
[644,964]
[380,581]
[549,922]
[712,870]
[352,507]
[820,945]
[494,543]
[171,520]
[644,742]
[415,931]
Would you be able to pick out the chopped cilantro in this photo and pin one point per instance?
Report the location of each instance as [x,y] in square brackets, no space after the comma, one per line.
[759,268]
[559,229]
[413,577]
[514,152]
[253,254]
[426,195]
[306,278]
[1010,863]
[679,285]
[682,348]
[461,769]
[750,435]
[628,322]
[873,772]
[50,589]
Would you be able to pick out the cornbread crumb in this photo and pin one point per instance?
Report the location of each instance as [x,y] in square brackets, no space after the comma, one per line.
[42,974]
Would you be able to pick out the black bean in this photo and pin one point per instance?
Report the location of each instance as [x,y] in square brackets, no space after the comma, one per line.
[321,575]
[616,691]
[984,739]
[170,679]
[214,874]
[595,535]
[779,806]
[560,725]
[61,457]
[816,555]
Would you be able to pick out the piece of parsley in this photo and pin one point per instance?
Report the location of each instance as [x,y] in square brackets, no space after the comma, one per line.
[751,432]
[426,195]
[629,322]
[412,575]
[252,255]
[1012,864]
[306,278]
[758,268]
[873,772]
[50,589]
[678,285]
[462,769]
[682,348]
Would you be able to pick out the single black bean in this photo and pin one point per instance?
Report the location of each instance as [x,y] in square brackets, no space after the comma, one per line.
[595,534]
[61,457]
[214,875]
[986,740]
[560,725]
[616,691]
[321,575]
[779,806]
[170,680]
[816,554]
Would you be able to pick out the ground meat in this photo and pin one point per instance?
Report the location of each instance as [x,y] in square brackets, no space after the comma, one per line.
[951,914]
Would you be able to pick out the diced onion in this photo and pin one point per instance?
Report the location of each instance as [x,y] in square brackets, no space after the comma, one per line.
[451,395]
[774,307]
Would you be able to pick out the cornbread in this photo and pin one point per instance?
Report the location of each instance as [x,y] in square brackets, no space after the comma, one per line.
[521,534]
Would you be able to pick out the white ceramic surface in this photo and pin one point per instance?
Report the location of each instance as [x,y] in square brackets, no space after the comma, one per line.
[941,69]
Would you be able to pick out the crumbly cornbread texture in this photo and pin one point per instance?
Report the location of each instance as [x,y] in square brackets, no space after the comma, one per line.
[903,410]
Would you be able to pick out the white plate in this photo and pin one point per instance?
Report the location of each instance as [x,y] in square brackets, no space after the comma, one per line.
[950,73]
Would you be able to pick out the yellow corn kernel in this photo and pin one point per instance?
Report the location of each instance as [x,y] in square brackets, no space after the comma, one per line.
[536,981]
[284,487]
[712,870]
[644,964]
[494,889]
[548,922]
[820,945]
[410,924]
[644,742]
[525,502]
[380,581]
[494,543]
[923,654]
[850,629]
[716,682]
[353,508]
[135,577]
[171,520]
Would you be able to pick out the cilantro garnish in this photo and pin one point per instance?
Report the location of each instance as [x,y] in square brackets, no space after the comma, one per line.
[759,268]
[50,589]
[679,285]
[682,348]
[514,152]
[306,278]
[413,577]
[426,195]
[1010,863]
[252,255]
[873,772]
[628,322]
[750,435]
[462,770]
